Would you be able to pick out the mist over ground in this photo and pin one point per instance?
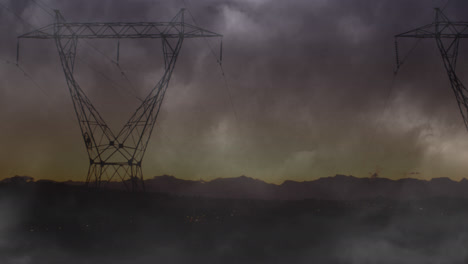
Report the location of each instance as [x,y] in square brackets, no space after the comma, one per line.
[310,93]
[46,222]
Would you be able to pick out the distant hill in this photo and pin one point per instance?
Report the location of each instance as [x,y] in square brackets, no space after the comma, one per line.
[339,187]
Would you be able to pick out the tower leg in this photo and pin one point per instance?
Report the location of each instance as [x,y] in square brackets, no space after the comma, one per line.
[131,176]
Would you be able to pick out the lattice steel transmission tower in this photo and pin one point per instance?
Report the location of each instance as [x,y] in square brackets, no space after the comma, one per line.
[118,155]
[447,35]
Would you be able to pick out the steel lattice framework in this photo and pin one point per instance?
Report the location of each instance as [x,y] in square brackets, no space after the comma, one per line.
[117,155]
[447,35]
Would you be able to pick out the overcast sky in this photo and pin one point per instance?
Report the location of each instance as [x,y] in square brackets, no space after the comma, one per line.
[312,85]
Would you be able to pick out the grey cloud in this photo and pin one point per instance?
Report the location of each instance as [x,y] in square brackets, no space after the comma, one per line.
[305,76]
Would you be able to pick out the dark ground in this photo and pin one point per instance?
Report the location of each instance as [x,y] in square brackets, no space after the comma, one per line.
[54,223]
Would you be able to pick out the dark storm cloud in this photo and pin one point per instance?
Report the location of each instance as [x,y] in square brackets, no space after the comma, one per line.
[309,82]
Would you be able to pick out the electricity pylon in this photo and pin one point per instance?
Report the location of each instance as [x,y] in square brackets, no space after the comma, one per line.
[447,35]
[120,154]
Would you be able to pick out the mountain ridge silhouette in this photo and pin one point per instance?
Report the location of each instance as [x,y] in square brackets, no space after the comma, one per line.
[338,187]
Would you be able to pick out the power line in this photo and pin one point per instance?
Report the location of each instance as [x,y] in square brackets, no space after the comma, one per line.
[8,62]
[17,16]
[220,64]
[129,82]
[46,5]
[388,96]
[29,76]
[31,79]
[402,61]
[116,63]
[121,70]
[43,9]
[113,83]
[218,60]
[89,44]
[446,5]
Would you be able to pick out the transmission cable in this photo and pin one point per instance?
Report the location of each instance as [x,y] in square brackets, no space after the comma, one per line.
[31,79]
[16,15]
[399,62]
[16,64]
[8,62]
[446,5]
[113,83]
[41,7]
[220,64]
[122,72]
[29,76]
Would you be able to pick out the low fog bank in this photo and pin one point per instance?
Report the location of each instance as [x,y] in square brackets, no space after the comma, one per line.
[46,222]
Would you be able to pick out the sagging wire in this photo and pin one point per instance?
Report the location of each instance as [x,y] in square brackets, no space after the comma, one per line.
[43,8]
[16,15]
[399,62]
[17,51]
[122,72]
[219,61]
[8,62]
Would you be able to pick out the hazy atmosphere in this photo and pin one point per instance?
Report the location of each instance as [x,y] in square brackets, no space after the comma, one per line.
[302,143]
[309,91]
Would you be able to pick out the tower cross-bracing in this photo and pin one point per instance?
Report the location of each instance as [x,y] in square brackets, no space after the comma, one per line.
[447,35]
[118,155]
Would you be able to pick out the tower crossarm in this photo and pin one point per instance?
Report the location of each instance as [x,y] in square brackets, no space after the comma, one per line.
[118,30]
[441,29]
